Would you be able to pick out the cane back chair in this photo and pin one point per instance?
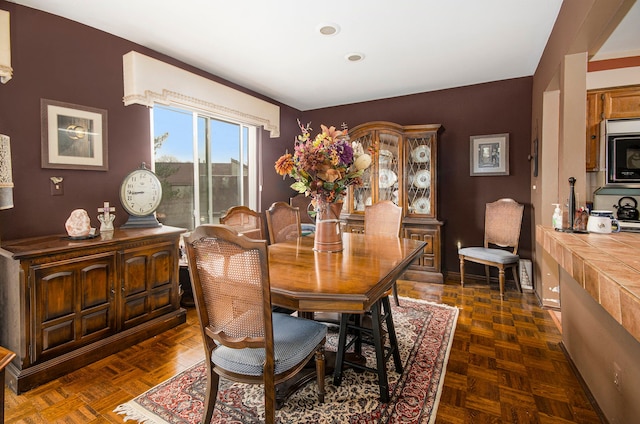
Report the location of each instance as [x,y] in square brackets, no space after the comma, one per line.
[245,221]
[243,340]
[283,222]
[503,222]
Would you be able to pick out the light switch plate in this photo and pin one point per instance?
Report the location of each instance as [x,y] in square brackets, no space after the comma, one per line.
[57,189]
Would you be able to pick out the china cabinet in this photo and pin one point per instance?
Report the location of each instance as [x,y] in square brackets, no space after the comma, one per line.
[68,303]
[404,170]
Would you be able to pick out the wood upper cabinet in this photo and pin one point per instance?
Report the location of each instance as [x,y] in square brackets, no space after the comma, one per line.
[404,171]
[616,103]
[624,103]
[594,117]
[66,304]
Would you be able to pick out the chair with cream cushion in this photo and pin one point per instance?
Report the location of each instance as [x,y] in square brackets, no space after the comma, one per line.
[503,222]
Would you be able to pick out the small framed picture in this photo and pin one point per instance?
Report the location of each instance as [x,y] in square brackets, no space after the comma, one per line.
[489,154]
[73,136]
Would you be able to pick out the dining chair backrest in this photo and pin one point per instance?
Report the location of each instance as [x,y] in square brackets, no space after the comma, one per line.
[232,286]
[283,222]
[383,218]
[244,220]
[503,223]
[303,203]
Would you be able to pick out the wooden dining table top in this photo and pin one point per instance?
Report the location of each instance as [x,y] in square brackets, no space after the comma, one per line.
[349,281]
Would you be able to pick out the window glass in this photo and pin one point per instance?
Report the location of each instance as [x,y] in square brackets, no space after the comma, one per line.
[224,177]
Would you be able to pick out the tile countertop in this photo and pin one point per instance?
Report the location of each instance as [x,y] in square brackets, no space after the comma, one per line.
[607,266]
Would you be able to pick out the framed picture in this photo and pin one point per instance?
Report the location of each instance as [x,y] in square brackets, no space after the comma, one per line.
[73,136]
[490,154]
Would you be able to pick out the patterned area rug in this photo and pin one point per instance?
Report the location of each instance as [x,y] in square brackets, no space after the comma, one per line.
[425,333]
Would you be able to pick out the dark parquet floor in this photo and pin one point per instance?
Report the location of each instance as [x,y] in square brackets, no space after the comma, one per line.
[506,366]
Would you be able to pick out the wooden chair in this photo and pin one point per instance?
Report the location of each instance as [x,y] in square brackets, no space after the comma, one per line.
[303,203]
[243,340]
[6,356]
[244,220]
[502,225]
[283,222]
[384,218]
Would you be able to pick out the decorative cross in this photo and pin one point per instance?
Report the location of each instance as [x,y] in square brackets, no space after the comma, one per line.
[105,211]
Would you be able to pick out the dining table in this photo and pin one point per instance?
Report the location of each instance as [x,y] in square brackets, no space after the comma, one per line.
[353,281]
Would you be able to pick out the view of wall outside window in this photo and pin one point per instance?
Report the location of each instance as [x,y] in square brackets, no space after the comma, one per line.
[225,176]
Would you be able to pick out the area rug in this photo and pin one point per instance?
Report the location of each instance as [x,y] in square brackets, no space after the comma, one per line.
[425,333]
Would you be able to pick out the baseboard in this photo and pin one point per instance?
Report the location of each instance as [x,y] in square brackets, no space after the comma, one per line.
[587,392]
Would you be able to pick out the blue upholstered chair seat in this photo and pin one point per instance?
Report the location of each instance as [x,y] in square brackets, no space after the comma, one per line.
[307,229]
[293,339]
[488,254]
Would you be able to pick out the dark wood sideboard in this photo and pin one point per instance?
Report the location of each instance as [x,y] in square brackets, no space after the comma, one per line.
[68,303]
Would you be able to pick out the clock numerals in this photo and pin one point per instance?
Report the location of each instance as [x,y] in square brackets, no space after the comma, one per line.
[141,192]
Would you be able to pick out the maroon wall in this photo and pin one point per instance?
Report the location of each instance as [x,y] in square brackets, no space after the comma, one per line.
[491,108]
[58,59]
[61,60]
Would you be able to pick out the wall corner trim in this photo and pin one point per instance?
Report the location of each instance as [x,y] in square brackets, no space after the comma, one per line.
[148,81]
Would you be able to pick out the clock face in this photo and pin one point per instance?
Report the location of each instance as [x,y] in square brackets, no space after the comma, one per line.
[141,192]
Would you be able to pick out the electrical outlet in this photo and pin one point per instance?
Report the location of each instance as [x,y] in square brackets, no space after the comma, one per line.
[617,376]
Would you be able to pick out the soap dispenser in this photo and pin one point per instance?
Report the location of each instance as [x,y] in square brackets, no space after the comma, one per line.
[557,217]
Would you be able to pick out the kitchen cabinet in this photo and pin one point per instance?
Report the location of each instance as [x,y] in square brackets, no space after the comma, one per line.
[594,117]
[404,170]
[618,103]
[623,103]
[68,303]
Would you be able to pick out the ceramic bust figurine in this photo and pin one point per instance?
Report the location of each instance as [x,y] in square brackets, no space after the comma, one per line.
[78,224]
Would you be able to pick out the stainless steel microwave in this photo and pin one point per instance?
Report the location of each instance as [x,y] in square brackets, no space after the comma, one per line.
[623,152]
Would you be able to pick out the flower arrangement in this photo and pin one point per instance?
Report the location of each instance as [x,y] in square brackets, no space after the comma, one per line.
[325,165]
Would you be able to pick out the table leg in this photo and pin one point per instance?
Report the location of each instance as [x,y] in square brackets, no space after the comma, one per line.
[380,312]
[379,347]
[393,340]
[342,341]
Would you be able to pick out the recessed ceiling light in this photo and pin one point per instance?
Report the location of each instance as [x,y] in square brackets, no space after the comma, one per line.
[328,29]
[354,57]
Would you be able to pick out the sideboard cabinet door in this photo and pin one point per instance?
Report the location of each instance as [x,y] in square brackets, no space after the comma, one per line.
[74,304]
[148,283]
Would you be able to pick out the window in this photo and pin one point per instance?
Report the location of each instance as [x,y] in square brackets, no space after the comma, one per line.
[226,174]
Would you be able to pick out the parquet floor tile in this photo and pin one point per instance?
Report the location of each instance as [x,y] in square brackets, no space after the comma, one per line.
[506,366]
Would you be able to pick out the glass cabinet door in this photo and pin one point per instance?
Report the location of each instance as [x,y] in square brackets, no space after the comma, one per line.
[381,179]
[388,167]
[362,194]
[420,175]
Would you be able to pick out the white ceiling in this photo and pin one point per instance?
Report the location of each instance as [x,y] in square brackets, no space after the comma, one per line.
[274,47]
